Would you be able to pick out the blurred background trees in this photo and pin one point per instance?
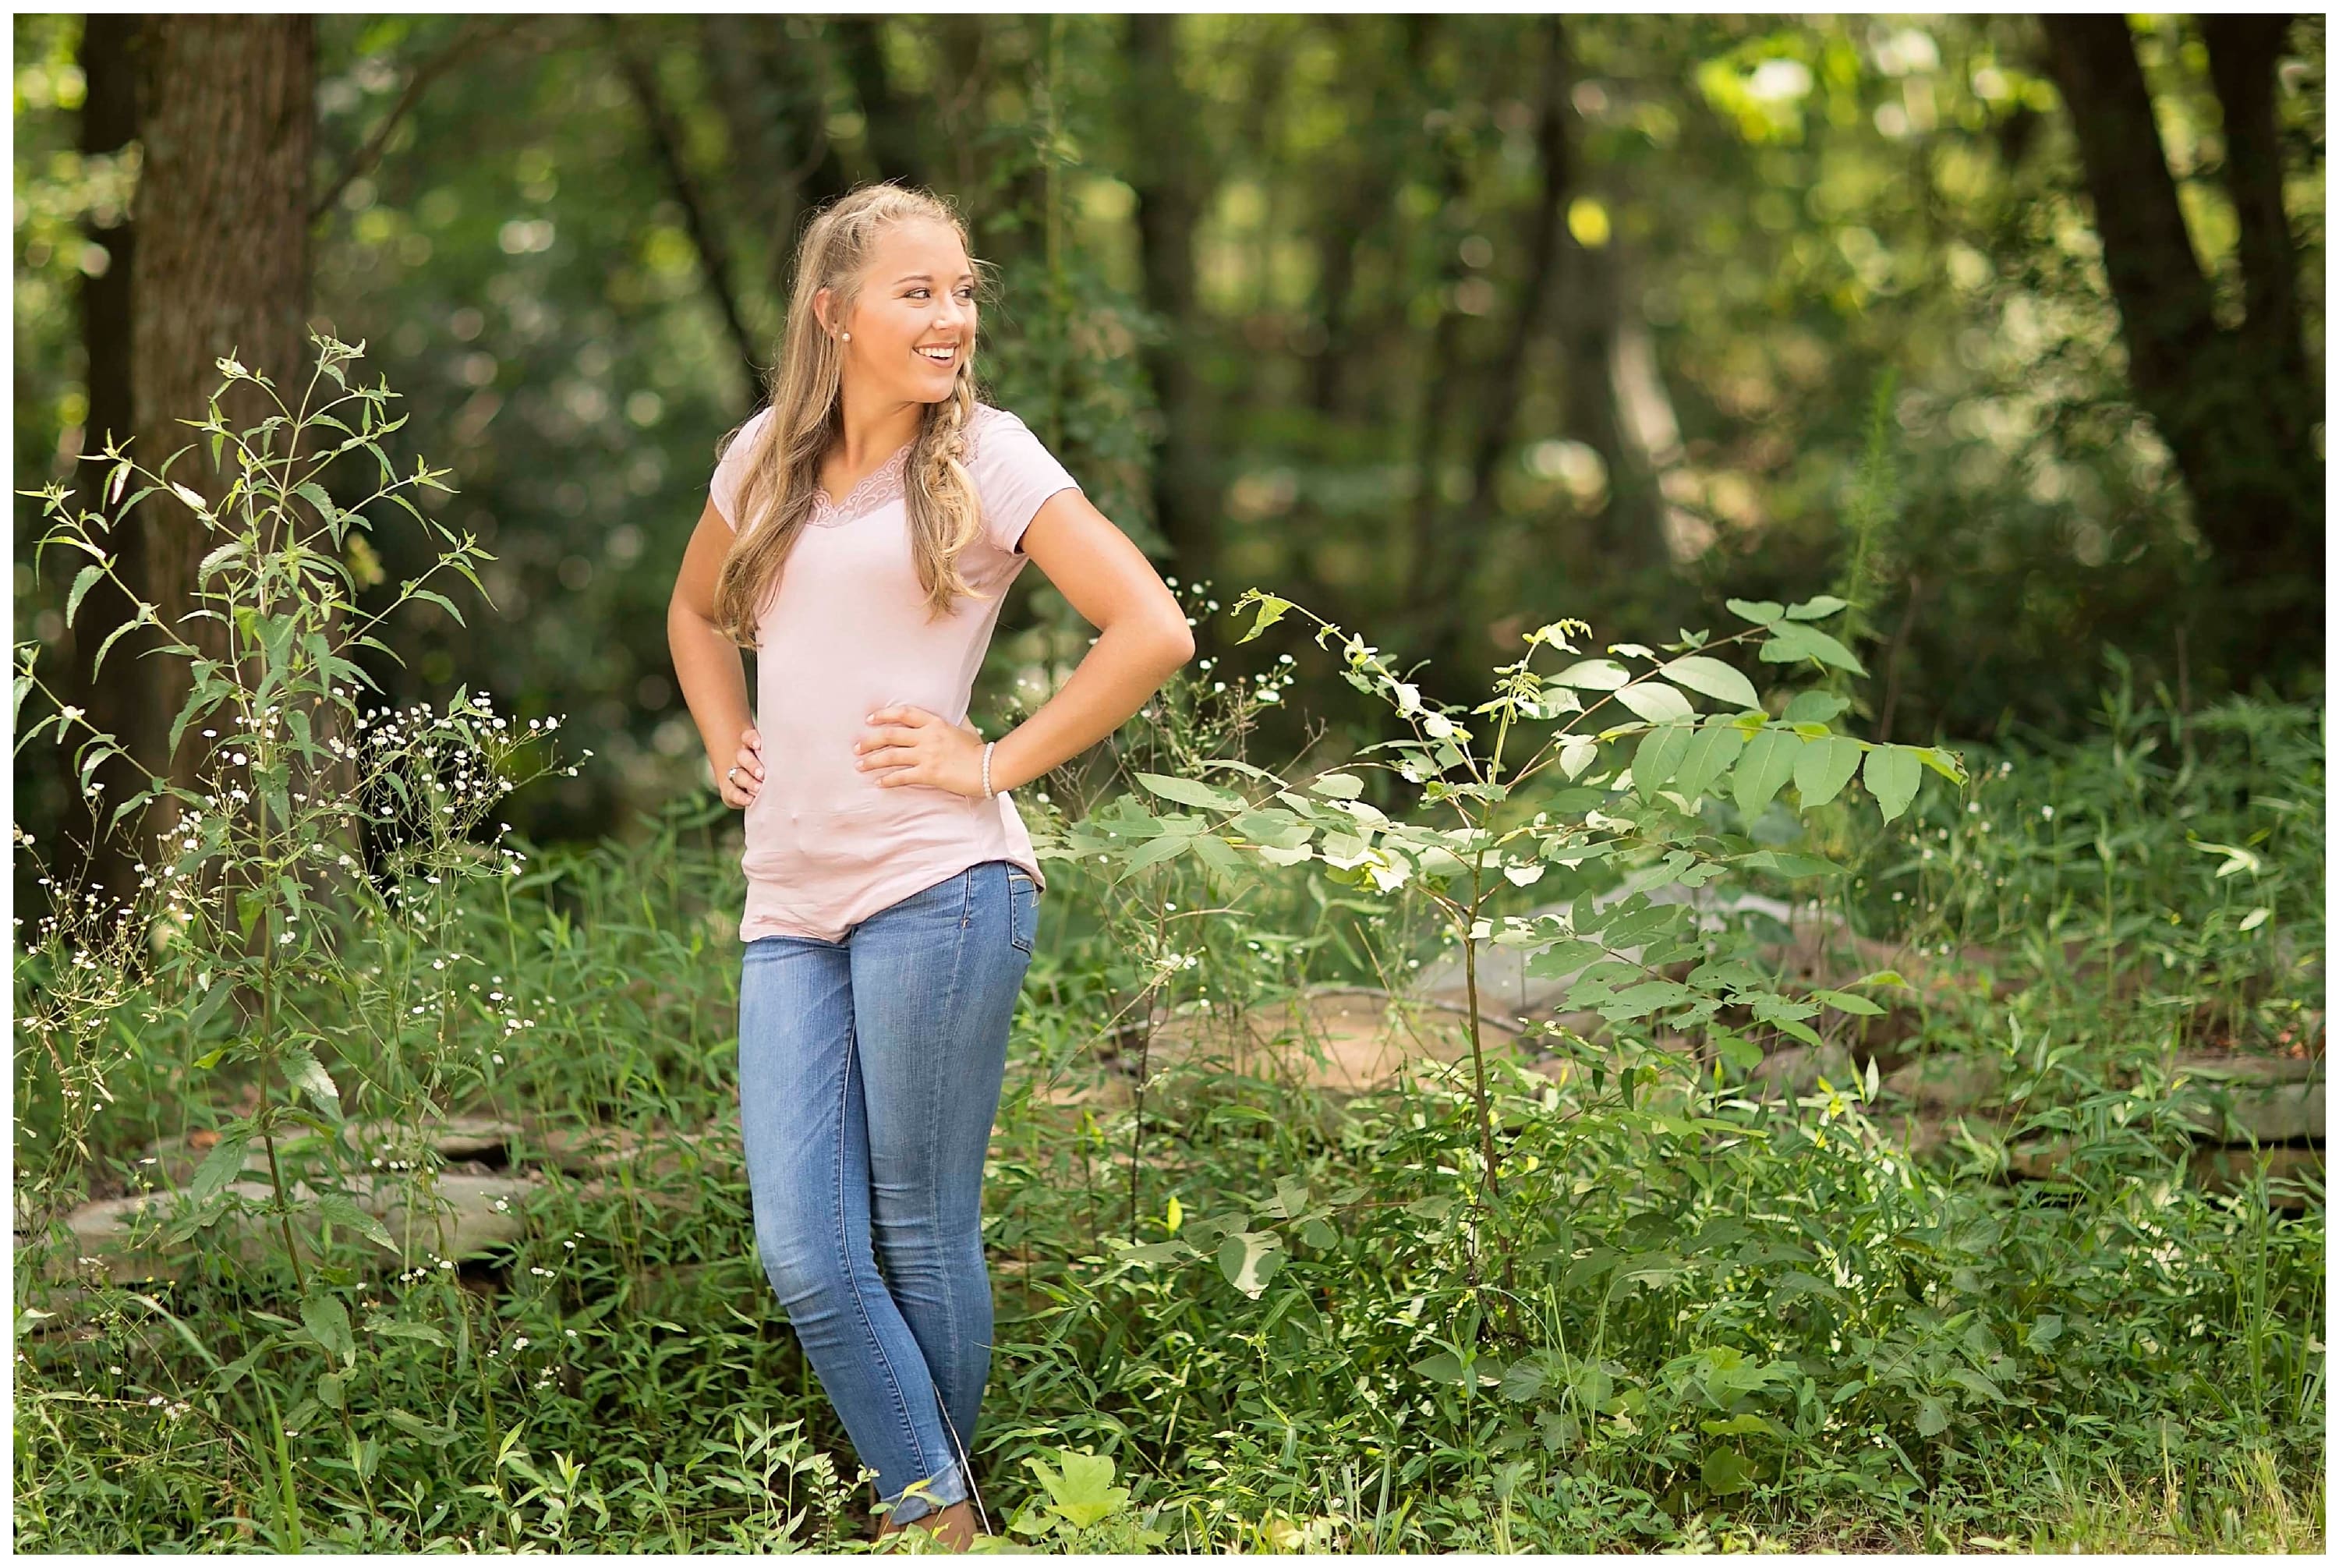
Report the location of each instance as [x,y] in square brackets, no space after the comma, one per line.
[1451,324]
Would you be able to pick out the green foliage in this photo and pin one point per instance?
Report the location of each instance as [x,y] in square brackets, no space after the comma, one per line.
[263,885]
[1764,1323]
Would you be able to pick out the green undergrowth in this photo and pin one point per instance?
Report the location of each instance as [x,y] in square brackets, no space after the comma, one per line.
[1247,1315]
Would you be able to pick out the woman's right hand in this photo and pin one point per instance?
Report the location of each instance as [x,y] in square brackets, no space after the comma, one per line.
[742,779]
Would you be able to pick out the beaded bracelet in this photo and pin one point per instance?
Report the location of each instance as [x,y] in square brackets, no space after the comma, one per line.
[986,768]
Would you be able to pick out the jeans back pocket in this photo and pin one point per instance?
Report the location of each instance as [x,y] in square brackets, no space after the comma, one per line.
[1022,909]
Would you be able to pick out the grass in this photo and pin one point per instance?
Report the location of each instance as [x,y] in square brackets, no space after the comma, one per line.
[1697,1320]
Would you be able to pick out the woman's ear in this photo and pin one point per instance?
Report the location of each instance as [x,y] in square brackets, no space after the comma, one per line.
[822,302]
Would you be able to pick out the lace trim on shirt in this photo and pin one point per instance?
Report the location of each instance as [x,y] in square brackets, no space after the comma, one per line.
[883,485]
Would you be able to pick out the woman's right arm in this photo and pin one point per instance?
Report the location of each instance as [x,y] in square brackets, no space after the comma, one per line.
[708,668]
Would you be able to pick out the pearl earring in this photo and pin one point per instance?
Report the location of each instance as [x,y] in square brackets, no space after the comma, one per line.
[848,337]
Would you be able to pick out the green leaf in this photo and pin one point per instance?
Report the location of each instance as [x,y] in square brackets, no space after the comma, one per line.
[1191,792]
[1709,756]
[1714,678]
[441,600]
[337,1208]
[1248,1259]
[1270,610]
[1892,776]
[1815,707]
[328,1323]
[1761,612]
[1593,675]
[1943,763]
[391,1328]
[132,624]
[1273,827]
[217,558]
[1154,851]
[83,580]
[329,1390]
[1524,1381]
[1290,1195]
[1081,1491]
[1784,863]
[1217,855]
[1724,1472]
[1792,641]
[1659,754]
[1656,702]
[220,1165]
[1845,1002]
[1446,1368]
[1154,1252]
[1737,1050]
[1764,770]
[308,1075]
[1932,1415]
[436,1437]
[314,493]
[1577,755]
[1640,1000]
[1816,609]
[1338,787]
[1824,767]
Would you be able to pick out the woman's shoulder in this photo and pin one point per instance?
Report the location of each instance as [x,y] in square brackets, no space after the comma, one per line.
[747,429]
[995,428]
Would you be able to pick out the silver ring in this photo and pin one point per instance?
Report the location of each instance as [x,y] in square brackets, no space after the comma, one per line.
[731,775]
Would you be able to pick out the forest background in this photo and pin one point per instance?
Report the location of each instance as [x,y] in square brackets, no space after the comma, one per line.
[1448,322]
[1931,1161]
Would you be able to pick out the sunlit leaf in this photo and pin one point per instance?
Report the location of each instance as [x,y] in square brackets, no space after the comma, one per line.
[1711,678]
[1892,776]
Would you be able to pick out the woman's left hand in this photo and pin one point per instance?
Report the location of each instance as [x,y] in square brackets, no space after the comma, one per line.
[908,746]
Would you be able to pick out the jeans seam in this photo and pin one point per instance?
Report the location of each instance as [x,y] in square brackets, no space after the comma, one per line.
[844,1260]
[934,1137]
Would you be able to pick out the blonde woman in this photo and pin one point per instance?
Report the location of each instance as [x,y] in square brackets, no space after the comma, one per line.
[860,534]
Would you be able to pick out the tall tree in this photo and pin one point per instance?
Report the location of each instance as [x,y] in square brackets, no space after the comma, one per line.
[1444,554]
[2234,404]
[889,127]
[118,702]
[639,68]
[1167,175]
[220,267]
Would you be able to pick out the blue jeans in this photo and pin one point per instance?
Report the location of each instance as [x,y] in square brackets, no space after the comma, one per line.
[869,1073]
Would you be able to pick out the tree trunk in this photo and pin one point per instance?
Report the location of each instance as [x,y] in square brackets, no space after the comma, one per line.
[2243,54]
[118,699]
[1164,170]
[221,267]
[699,215]
[1460,640]
[2234,406]
[888,128]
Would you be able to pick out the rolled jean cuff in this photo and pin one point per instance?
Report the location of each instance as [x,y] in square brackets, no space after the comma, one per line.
[939,1492]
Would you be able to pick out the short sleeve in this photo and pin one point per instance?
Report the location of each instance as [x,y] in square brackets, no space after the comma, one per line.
[731,472]
[1013,476]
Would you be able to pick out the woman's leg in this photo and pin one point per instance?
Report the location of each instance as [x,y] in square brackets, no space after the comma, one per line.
[804,1122]
[934,982]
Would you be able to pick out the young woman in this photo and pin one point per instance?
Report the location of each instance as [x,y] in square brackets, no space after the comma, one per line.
[860,534]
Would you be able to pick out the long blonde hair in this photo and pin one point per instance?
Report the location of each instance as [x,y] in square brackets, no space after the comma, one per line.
[806,386]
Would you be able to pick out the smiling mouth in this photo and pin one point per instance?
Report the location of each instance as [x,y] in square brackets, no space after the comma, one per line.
[942,356]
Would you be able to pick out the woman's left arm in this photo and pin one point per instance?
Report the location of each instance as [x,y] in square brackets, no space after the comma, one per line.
[1141,639]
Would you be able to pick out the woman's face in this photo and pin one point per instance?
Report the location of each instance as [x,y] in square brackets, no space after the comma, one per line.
[912,325]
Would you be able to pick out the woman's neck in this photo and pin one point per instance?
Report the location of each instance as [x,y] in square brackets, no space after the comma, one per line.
[874,430]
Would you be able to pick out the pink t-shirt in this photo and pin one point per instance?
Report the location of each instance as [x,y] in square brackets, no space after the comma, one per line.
[847,632]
